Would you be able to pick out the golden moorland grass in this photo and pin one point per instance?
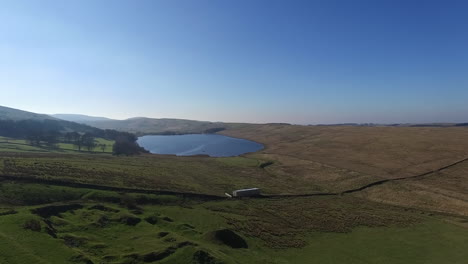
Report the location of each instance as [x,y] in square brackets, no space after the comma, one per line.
[338,158]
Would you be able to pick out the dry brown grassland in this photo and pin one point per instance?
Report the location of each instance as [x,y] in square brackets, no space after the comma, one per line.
[338,158]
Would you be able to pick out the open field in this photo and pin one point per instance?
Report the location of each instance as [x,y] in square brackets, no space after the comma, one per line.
[404,220]
[383,152]
[444,191]
[305,160]
[21,145]
[78,225]
[342,158]
[159,172]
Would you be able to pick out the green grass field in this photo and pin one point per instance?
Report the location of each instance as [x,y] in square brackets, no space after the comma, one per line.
[20,145]
[425,243]
[338,230]
[293,230]
[161,172]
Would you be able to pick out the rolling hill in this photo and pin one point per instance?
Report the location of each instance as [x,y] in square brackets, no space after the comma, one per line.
[143,125]
[7,113]
[138,125]
[79,118]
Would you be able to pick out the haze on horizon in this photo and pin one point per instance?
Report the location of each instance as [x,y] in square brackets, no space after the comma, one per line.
[304,62]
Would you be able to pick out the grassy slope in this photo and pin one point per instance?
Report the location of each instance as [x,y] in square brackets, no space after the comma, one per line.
[160,172]
[340,158]
[430,242]
[306,160]
[385,234]
[383,152]
[444,191]
[79,118]
[15,114]
[7,113]
[152,125]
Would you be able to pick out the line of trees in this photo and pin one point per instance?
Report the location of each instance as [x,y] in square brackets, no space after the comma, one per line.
[52,132]
[86,140]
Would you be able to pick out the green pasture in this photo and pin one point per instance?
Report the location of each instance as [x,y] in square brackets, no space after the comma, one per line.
[99,231]
[21,145]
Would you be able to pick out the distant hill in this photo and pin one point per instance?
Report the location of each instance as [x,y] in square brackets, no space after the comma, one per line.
[143,125]
[80,118]
[11,114]
[7,113]
[43,130]
[138,125]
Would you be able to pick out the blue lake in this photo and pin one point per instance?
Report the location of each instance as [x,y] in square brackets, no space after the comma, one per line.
[196,144]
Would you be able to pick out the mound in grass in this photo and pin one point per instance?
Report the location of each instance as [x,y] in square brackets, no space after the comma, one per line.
[157,255]
[102,221]
[81,259]
[167,219]
[203,257]
[152,219]
[33,225]
[74,241]
[129,220]
[163,234]
[103,208]
[228,237]
[48,211]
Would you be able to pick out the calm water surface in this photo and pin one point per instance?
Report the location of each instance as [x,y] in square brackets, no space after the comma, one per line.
[196,144]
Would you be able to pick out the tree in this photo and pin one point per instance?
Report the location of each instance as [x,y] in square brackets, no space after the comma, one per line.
[51,138]
[125,144]
[75,136]
[103,147]
[34,138]
[31,140]
[88,141]
[78,143]
[68,137]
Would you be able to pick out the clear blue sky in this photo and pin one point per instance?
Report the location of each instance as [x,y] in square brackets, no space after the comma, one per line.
[244,60]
